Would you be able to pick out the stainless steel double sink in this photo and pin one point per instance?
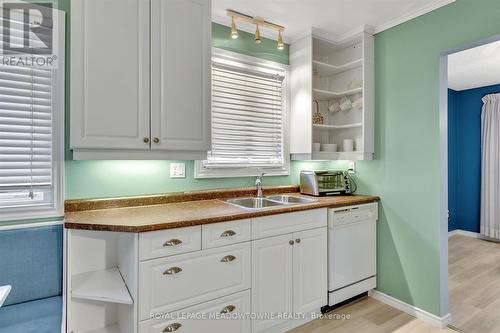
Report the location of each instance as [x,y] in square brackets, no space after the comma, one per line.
[270,201]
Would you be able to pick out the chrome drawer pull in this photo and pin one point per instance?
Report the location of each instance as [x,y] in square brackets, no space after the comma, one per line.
[228,309]
[172,327]
[172,271]
[228,233]
[228,258]
[172,242]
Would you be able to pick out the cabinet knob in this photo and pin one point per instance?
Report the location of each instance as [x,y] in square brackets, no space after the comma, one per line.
[228,233]
[172,271]
[228,258]
[291,242]
[297,240]
[146,140]
[156,140]
[228,309]
[172,242]
[172,327]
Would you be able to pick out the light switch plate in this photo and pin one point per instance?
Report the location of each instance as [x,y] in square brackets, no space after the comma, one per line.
[177,170]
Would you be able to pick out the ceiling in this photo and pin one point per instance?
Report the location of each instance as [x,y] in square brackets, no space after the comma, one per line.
[338,18]
[475,67]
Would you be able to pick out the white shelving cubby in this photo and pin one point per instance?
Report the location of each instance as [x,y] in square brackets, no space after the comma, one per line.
[338,77]
[102,281]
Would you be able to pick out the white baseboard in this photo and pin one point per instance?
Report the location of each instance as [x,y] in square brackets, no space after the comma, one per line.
[464,233]
[412,310]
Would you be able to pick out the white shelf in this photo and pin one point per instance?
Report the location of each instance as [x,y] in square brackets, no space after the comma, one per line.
[109,329]
[104,285]
[327,94]
[328,127]
[341,155]
[325,69]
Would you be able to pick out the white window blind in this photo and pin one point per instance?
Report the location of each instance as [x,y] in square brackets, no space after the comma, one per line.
[26,121]
[247,118]
[25,136]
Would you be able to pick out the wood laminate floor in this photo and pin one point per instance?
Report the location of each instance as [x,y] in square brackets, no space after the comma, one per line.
[474,284]
[368,315]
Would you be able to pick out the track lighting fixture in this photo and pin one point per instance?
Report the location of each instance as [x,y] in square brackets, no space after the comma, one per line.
[259,23]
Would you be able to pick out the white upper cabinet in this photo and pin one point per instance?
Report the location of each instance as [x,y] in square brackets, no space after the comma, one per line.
[332,86]
[140,79]
[180,90]
[110,74]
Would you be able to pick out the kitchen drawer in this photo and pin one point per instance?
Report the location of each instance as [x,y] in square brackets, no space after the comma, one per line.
[206,317]
[169,242]
[172,283]
[225,233]
[280,224]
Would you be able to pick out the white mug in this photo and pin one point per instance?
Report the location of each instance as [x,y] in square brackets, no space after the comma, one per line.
[348,144]
[345,104]
[358,144]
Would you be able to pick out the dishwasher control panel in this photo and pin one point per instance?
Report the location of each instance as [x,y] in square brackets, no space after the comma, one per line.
[352,214]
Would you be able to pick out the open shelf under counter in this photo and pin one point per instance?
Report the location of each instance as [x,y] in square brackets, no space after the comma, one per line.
[320,94]
[326,69]
[342,155]
[104,285]
[330,127]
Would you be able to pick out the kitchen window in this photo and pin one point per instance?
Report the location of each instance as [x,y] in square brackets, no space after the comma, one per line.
[31,139]
[249,118]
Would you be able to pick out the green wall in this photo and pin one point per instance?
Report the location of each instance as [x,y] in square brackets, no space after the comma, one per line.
[406,172]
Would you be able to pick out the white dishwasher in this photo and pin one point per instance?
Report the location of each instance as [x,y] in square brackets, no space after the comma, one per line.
[352,251]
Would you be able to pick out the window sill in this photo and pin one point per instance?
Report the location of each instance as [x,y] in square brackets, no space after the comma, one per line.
[202,173]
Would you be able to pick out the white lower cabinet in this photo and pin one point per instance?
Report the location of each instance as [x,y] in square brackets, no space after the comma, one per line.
[259,275]
[289,279]
[227,314]
[172,283]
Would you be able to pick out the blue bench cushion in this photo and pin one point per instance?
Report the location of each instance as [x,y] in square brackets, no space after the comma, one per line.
[31,262]
[40,316]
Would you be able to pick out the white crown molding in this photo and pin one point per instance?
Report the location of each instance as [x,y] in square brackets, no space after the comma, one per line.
[409,16]
[423,315]
[250,28]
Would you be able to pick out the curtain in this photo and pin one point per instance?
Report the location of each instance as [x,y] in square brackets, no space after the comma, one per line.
[490,166]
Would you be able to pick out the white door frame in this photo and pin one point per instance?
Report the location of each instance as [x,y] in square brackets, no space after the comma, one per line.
[443,150]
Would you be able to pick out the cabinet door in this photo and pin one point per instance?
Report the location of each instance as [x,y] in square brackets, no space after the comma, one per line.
[181,72]
[110,53]
[310,273]
[271,280]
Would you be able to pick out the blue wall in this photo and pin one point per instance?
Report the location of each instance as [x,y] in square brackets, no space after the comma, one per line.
[464,156]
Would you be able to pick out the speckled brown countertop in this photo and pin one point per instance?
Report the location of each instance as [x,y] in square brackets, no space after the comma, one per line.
[189,213]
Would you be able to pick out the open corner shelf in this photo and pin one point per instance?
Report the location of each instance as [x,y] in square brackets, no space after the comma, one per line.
[327,94]
[328,127]
[326,69]
[103,285]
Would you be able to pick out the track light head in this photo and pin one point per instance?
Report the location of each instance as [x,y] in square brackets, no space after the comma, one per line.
[234,31]
[258,39]
[281,45]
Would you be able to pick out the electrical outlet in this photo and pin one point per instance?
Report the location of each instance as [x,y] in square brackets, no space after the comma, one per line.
[177,170]
[351,167]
